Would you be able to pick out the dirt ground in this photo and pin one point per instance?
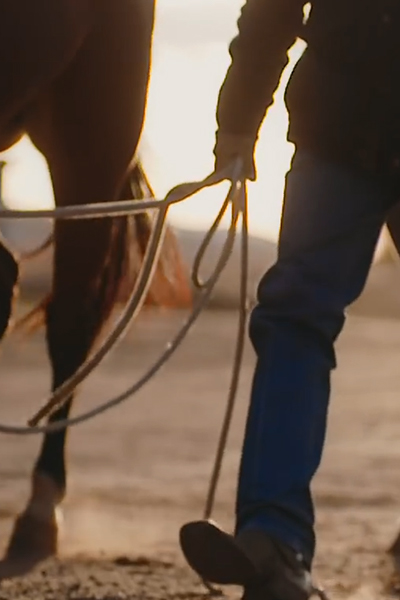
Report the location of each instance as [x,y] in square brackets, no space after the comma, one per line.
[137,473]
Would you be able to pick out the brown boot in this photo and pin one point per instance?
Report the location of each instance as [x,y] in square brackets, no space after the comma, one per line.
[267,569]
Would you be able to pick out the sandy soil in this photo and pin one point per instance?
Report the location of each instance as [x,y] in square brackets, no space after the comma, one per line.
[139,472]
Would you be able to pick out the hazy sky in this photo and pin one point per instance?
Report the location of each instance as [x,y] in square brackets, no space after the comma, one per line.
[185,22]
[190,61]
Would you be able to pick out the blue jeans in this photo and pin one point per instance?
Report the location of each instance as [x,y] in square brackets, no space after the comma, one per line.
[330,225]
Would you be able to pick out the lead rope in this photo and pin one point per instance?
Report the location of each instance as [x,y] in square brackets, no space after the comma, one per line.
[242,208]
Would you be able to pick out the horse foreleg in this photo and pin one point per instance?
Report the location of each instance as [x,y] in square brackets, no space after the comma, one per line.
[88,270]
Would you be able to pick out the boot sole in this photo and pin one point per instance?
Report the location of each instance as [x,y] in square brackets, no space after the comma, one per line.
[214,555]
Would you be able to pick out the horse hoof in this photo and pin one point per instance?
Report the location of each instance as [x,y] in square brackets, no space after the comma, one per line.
[32,541]
[33,537]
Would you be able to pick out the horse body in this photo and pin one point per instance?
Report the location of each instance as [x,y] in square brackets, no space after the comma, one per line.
[74,77]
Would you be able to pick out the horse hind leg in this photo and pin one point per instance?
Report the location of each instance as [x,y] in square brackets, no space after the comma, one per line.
[88,128]
[90,261]
[88,267]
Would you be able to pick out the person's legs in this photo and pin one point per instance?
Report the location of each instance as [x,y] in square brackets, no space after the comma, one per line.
[330,225]
[331,221]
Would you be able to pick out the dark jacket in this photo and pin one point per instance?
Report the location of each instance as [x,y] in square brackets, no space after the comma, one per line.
[344,94]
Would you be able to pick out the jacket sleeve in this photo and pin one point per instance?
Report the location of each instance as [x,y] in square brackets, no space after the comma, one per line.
[267,30]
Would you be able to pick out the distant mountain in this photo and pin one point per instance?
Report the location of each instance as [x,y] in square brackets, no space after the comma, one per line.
[381,297]
[36,274]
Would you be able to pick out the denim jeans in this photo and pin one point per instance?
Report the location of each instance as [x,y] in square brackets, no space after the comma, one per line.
[330,225]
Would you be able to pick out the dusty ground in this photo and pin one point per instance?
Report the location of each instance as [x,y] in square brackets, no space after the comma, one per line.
[140,471]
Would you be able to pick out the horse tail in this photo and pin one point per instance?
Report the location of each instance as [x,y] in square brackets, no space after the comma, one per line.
[170,287]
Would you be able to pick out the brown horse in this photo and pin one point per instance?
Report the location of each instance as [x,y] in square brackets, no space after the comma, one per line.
[74,77]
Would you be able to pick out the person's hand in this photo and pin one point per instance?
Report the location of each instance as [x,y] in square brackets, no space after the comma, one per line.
[232,146]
